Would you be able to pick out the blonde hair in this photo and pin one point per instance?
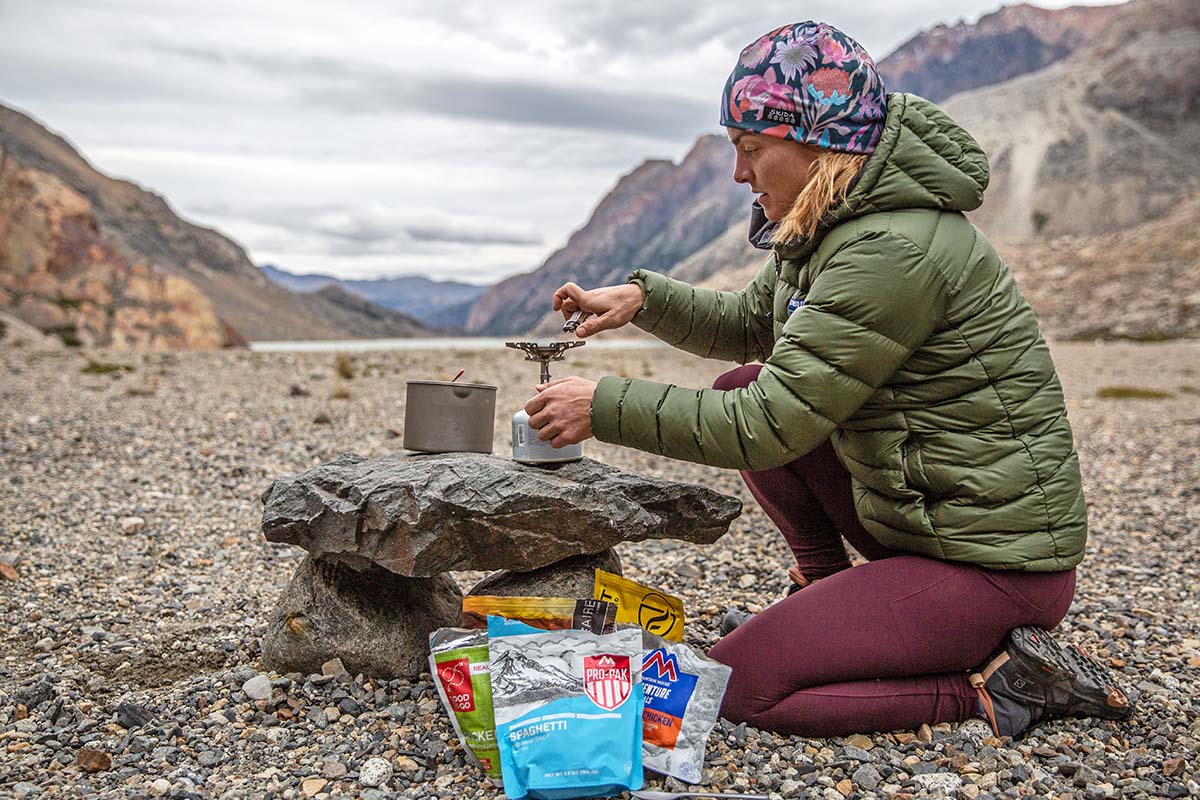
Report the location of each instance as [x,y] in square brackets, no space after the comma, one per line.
[830,178]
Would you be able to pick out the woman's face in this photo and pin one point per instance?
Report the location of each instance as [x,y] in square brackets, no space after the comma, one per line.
[775,169]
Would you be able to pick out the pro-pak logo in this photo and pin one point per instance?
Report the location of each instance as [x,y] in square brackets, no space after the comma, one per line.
[606,680]
[456,681]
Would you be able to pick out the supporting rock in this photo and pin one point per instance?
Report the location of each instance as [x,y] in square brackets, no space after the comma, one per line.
[375,621]
[571,577]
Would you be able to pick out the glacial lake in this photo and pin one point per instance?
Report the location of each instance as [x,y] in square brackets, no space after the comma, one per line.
[434,343]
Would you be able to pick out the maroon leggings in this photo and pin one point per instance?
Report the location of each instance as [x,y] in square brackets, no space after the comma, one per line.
[882,646]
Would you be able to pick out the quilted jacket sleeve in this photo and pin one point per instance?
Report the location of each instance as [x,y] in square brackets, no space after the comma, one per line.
[732,326]
[871,305]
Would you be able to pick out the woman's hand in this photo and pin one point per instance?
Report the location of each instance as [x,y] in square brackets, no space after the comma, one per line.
[561,411]
[610,307]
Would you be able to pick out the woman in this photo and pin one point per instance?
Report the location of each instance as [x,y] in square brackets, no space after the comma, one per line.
[905,402]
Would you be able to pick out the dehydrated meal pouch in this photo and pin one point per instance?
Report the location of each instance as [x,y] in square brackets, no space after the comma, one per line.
[547,613]
[568,710]
[458,661]
[657,612]
[683,692]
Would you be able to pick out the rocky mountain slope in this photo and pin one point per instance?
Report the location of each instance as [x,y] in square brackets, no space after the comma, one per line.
[648,220]
[1141,283]
[656,216]
[59,274]
[1014,41]
[438,304]
[106,262]
[1102,140]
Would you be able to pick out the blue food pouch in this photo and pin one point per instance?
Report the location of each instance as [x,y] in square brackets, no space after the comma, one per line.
[568,707]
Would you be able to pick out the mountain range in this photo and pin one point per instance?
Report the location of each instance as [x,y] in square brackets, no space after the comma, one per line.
[1089,116]
[1097,132]
[103,262]
[438,304]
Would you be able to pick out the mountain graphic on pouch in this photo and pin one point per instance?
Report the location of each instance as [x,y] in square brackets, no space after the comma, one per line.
[519,679]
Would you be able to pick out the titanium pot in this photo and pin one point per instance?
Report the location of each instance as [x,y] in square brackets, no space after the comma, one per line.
[449,417]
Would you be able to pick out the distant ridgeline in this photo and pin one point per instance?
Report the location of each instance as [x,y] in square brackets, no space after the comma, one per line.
[437,304]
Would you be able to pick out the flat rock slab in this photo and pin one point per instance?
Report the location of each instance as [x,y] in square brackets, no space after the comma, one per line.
[421,515]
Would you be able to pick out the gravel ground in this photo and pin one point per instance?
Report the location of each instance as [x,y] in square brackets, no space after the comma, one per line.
[135,586]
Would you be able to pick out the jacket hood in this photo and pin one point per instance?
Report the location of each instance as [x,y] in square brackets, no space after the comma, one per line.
[924,159]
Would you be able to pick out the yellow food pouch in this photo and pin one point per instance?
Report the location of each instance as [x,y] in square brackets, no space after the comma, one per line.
[657,612]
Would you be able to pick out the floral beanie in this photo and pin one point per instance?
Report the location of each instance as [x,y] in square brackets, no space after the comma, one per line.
[810,83]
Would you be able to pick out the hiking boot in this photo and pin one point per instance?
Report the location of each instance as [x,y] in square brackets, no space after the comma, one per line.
[1031,679]
[732,619]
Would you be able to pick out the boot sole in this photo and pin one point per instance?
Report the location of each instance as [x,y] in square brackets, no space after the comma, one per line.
[1092,690]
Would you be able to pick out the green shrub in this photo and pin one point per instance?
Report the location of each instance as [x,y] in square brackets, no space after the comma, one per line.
[102,368]
[1131,393]
[344,366]
[1040,219]
[67,333]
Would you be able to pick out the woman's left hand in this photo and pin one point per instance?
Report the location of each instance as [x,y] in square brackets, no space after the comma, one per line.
[561,411]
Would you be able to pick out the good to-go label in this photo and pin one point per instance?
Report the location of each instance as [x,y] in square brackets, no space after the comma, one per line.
[455,677]
[668,690]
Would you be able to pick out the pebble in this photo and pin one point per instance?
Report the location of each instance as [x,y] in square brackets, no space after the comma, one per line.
[258,688]
[131,715]
[856,753]
[89,759]
[132,525]
[406,764]
[946,782]
[376,772]
[867,777]
[334,667]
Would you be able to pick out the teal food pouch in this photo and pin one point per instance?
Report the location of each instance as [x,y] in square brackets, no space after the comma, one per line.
[458,661]
[568,708]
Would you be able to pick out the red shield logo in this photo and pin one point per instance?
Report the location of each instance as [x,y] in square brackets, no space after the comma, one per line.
[456,681]
[606,680]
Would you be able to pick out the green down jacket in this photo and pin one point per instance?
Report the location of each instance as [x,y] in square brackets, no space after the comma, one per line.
[898,333]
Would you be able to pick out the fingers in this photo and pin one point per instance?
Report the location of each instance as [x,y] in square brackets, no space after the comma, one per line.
[541,387]
[548,432]
[534,405]
[594,325]
[566,298]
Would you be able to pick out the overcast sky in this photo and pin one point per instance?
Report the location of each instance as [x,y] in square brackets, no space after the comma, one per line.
[460,140]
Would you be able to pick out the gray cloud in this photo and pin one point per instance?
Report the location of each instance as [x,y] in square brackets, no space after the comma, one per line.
[344,230]
[367,89]
[364,112]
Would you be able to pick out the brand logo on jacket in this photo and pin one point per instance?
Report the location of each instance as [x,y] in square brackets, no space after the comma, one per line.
[793,304]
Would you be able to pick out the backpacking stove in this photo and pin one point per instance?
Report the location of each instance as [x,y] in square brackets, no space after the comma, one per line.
[527,448]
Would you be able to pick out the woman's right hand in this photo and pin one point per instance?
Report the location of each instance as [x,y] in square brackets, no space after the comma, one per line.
[610,307]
